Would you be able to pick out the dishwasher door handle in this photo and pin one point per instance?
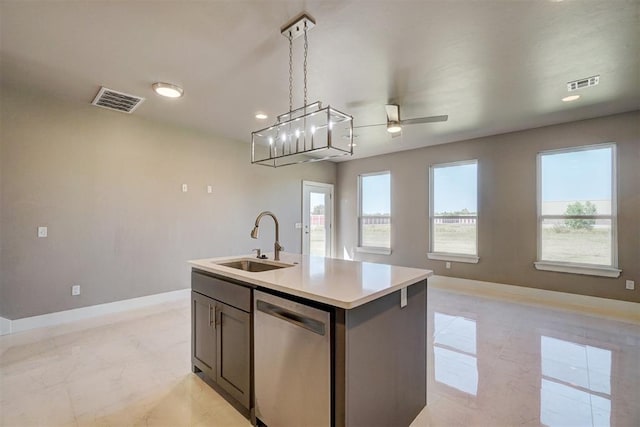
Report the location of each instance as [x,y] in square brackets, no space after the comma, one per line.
[297,319]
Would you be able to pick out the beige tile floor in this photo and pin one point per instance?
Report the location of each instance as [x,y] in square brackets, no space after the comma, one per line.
[491,363]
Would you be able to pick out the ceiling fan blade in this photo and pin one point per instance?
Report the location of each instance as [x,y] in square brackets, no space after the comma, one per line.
[393,112]
[368,126]
[418,120]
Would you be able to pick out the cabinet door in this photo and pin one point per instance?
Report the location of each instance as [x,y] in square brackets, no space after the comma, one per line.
[203,339]
[233,358]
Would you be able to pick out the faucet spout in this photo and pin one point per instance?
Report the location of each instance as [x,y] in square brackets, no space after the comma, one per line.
[254,233]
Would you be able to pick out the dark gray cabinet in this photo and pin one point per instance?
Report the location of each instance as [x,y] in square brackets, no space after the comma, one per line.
[233,355]
[221,334]
[204,342]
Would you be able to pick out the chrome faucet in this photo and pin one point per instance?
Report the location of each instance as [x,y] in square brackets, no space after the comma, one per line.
[254,233]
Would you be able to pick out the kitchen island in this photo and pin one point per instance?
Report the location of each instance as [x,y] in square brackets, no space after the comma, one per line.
[357,357]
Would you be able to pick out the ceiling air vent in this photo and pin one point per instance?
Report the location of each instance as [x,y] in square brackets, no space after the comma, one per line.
[582,83]
[119,101]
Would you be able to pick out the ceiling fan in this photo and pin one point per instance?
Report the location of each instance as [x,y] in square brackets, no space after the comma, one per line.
[394,123]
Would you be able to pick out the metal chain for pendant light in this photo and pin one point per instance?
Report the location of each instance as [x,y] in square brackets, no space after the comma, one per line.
[290,72]
[306,48]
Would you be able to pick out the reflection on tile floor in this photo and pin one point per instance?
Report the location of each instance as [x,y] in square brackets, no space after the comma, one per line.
[499,363]
[491,363]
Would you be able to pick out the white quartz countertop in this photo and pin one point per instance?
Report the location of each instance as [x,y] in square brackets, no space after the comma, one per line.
[337,282]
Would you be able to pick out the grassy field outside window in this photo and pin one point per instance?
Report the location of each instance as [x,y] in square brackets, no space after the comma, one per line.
[586,246]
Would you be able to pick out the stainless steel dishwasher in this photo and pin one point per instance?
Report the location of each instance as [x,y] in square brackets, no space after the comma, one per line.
[292,347]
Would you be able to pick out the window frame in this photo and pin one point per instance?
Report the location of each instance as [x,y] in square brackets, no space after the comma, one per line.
[451,256]
[571,267]
[372,249]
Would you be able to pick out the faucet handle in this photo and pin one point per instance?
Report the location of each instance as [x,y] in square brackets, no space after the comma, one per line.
[259,253]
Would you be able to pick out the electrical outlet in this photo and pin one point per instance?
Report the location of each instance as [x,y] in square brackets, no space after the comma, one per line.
[75,290]
[447,265]
[185,188]
[209,189]
[630,284]
[403,297]
[42,231]
[298,225]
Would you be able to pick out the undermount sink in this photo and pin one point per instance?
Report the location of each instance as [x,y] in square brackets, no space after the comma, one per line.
[253,266]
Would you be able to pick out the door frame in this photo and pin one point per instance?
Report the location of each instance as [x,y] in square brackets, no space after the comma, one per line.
[332,217]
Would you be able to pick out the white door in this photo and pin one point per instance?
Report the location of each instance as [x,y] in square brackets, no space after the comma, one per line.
[317,218]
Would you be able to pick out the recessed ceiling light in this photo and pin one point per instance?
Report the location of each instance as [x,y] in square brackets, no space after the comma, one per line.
[570,98]
[261,116]
[167,90]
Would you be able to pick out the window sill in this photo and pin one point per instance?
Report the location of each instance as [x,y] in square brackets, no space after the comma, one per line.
[469,259]
[379,251]
[577,269]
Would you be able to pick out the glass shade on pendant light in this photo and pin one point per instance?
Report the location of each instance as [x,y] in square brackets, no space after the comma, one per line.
[308,134]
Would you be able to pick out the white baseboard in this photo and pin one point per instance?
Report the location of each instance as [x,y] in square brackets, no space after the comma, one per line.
[51,319]
[613,309]
[5,326]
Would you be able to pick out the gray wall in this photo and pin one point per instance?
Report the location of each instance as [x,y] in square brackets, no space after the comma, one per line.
[506,203]
[108,186]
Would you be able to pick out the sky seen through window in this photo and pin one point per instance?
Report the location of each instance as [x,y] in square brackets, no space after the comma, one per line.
[455,188]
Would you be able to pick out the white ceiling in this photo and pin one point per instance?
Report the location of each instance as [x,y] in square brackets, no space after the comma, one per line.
[492,66]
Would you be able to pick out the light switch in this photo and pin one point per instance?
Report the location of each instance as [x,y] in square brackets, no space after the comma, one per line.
[447,265]
[75,290]
[209,189]
[298,225]
[42,231]
[184,188]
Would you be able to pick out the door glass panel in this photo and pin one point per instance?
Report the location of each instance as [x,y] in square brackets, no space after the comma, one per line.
[317,224]
[317,214]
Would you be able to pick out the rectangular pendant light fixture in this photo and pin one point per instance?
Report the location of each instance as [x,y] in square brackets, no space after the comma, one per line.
[310,133]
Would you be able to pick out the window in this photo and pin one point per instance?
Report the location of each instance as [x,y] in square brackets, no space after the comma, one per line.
[453,212]
[577,211]
[374,213]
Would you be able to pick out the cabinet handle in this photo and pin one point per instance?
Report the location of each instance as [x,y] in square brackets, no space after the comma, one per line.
[210,319]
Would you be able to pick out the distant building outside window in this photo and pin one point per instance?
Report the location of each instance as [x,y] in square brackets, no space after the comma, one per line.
[453,211]
[577,210]
[374,212]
